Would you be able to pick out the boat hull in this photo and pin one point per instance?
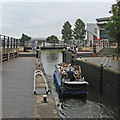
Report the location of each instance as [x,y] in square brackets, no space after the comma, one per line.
[70,91]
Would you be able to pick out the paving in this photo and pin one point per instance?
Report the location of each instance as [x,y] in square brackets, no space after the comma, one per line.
[44,109]
[18,100]
[115,64]
[17,87]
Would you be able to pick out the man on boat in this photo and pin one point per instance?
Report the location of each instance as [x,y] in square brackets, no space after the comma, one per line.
[70,75]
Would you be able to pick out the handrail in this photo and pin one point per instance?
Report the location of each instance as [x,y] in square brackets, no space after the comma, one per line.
[106,61]
[40,73]
[100,45]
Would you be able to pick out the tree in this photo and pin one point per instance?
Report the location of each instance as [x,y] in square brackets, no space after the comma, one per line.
[66,32]
[24,39]
[52,39]
[79,30]
[113,25]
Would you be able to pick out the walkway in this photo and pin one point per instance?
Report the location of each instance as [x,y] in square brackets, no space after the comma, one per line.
[115,64]
[17,87]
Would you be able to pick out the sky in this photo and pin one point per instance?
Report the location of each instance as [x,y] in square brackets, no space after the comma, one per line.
[40,19]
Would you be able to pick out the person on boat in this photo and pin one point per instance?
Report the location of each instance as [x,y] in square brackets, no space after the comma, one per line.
[64,64]
[79,69]
[60,64]
[70,75]
[60,68]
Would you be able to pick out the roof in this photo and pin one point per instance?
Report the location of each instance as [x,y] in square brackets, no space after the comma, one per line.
[102,19]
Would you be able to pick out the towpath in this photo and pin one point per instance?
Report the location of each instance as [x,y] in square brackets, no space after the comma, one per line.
[115,64]
[17,87]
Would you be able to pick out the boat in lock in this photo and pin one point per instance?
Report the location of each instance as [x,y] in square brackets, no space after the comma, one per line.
[69,80]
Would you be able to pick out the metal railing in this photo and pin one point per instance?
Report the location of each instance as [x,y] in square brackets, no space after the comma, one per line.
[106,61]
[100,45]
[8,42]
[39,72]
[8,48]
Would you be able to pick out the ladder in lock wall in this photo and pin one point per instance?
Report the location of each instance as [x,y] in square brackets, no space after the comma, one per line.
[106,61]
[39,72]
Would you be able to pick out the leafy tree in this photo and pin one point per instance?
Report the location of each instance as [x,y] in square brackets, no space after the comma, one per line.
[67,32]
[113,26]
[79,30]
[52,39]
[24,39]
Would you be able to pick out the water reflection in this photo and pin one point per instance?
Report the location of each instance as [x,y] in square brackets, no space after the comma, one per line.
[89,107]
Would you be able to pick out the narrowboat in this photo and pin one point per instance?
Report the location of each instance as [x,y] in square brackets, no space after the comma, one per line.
[69,80]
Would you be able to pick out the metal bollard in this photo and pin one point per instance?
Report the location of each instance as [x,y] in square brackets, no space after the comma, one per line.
[34,93]
[44,99]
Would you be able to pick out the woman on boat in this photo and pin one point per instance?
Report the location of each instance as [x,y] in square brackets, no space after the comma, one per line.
[64,64]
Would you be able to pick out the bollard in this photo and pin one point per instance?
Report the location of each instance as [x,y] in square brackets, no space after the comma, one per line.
[44,99]
[34,93]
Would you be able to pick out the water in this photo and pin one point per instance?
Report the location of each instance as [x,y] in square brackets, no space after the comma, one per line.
[89,107]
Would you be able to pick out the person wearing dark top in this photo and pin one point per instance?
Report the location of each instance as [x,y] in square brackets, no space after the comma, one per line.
[70,75]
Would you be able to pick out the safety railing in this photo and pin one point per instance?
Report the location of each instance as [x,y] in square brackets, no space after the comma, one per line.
[100,45]
[106,61]
[39,72]
[8,48]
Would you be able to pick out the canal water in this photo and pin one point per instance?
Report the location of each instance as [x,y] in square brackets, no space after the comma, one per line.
[89,107]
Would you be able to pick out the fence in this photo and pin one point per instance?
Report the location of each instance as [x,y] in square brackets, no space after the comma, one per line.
[8,48]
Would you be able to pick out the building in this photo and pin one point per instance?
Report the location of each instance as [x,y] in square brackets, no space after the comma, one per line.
[101,22]
[40,41]
[92,33]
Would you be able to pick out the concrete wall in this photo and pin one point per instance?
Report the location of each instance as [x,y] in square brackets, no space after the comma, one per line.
[68,57]
[104,81]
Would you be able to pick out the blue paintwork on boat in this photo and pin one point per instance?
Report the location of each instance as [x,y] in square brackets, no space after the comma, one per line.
[57,79]
[65,89]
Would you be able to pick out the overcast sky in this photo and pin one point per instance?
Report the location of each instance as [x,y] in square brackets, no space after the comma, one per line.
[42,19]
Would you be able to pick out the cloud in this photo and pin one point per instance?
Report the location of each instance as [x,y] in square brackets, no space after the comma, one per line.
[58,1]
[45,18]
